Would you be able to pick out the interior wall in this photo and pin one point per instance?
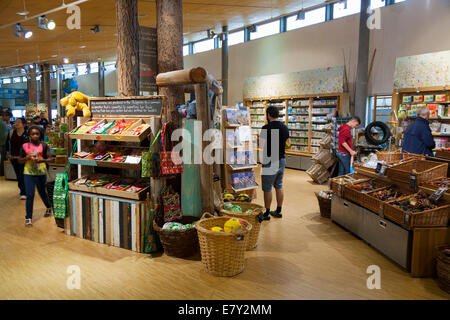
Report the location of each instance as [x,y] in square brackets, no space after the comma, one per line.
[408,28]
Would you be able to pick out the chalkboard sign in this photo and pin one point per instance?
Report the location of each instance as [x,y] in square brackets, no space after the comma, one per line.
[124,106]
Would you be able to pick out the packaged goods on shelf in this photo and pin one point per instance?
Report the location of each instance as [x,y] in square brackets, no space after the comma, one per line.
[418,98]
[441,98]
[407,99]
[428,98]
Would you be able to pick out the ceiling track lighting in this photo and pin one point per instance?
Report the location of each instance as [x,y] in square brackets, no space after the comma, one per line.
[210,33]
[44,23]
[96,29]
[252,28]
[20,31]
[301,15]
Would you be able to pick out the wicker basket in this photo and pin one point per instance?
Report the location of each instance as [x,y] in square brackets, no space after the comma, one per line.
[443,154]
[235,194]
[443,269]
[324,205]
[426,171]
[374,204]
[437,217]
[337,184]
[389,157]
[250,217]
[413,156]
[222,252]
[359,197]
[178,243]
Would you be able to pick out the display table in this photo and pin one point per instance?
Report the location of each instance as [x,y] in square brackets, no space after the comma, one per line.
[413,250]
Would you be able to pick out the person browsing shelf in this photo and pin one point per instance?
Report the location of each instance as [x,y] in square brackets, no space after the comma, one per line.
[345,146]
[418,138]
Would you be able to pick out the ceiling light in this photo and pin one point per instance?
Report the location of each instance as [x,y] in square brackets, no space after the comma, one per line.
[65,60]
[54,55]
[96,29]
[301,15]
[252,28]
[82,47]
[20,31]
[210,33]
[31,66]
[44,23]
[22,13]
[28,34]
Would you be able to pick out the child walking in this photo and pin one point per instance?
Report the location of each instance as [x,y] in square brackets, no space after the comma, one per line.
[35,155]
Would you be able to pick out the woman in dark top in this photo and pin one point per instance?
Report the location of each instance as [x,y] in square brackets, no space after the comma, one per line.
[14,143]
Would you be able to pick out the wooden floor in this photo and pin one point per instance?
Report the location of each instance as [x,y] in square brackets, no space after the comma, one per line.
[301,256]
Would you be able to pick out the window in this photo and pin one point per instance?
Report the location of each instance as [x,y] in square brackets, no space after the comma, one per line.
[311,17]
[38,78]
[17,80]
[18,113]
[110,66]
[397,1]
[185,50]
[377,4]
[54,114]
[264,30]
[204,45]
[94,67]
[82,69]
[235,37]
[346,8]
[6,81]
[24,79]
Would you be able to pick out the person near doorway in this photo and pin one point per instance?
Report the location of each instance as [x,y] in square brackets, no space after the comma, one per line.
[418,138]
[4,129]
[14,142]
[345,146]
[273,138]
[35,155]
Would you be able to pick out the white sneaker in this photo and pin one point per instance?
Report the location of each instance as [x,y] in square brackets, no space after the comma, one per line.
[28,223]
[23,197]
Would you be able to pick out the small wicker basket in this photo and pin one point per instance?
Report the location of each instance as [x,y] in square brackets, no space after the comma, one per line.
[389,157]
[324,205]
[250,217]
[222,253]
[178,243]
[425,170]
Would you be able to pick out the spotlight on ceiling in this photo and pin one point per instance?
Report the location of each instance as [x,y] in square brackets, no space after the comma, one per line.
[301,15]
[20,31]
[96,29]
[31,66]
[252,28]
[65,60]
[44,23]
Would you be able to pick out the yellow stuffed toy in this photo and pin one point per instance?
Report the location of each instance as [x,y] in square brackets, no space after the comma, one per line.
[76,101]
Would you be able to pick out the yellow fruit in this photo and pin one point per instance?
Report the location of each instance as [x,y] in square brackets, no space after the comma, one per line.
[232,225]
[216,229]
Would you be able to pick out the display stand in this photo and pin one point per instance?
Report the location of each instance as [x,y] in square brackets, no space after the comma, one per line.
[304,115]
[239,152]
[115,217]
[439,110]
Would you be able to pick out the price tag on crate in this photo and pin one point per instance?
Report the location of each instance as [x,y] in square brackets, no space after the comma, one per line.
[379,165]
[382,171]
[407,219]
[413,181]
[438,193]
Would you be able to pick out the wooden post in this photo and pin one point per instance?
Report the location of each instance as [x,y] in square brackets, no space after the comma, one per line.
[31,84]
[45,88]
[206,170]
[170,53]
[127,48]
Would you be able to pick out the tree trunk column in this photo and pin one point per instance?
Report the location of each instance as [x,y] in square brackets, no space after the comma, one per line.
[31,83]
[127,48]
[170,53]
[45,87]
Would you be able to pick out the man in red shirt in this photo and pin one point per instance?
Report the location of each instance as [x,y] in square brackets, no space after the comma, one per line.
[345,146]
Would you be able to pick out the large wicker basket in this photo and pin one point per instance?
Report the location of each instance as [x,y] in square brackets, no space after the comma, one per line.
[250,217]
[413,156]
[426,171]
[222,252]
[437,217]
[337,184]
[178,243]
[359,197]
[389,157]
[374,204]
[443,269]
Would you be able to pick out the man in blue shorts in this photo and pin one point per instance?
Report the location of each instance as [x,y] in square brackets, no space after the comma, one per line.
[273,137]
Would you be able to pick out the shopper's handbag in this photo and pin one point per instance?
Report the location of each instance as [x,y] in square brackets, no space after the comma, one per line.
[148,163]
[171,205]
[170,161]
[61,196]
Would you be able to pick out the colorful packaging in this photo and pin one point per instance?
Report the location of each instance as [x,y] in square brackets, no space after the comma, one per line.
[433,110]
[418,99]
[428,98]
[407,99]
[441,98]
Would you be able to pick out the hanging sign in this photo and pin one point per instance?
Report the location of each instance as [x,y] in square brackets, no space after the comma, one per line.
[151,106]
[148,59]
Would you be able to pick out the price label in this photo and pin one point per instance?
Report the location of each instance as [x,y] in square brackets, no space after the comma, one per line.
[379,165]
[382,171]
[407,219]
[438,194]
[413,181]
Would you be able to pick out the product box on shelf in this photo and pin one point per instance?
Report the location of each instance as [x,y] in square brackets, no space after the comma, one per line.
[113,129]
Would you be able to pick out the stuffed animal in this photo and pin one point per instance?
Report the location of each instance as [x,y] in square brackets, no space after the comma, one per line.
[76,101]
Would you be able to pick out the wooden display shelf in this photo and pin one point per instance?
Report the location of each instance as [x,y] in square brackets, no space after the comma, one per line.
[233,168]
[105,164]
[244,189]
[107,192]
[441,134]
[295,153]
